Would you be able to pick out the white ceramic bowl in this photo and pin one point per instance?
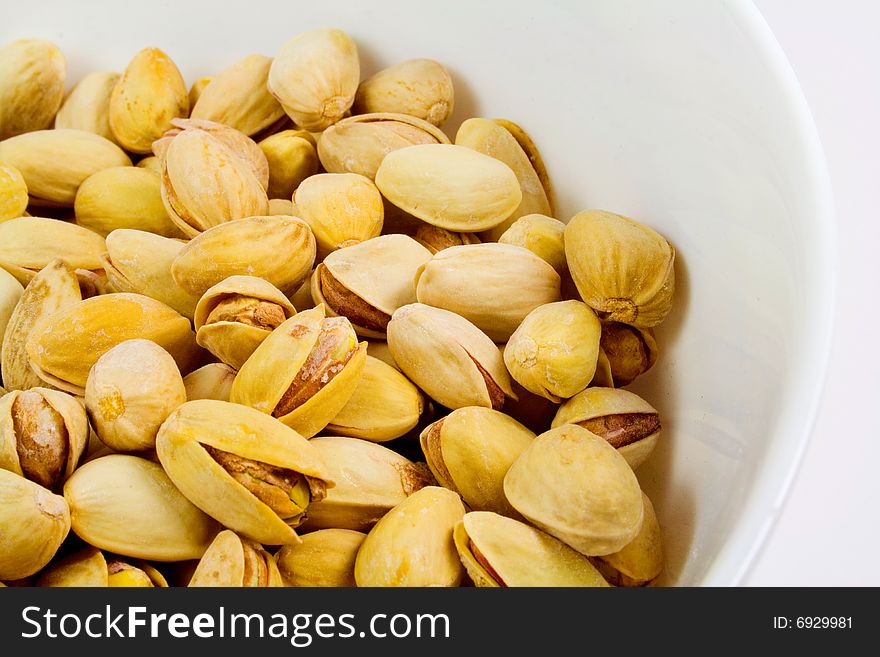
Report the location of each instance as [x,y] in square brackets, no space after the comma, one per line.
[684,115]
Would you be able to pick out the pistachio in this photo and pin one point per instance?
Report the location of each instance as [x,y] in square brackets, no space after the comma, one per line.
[128,505]
[10,292]
[492,285]
[281,207]
[640,561]
[379,349]
[449,358]
[250,472]
[324,558]
[315,77]
[88,567]
[622,269]
[531,150]
[151,163]
[449,186]
[541,235]
[32,76]
[302,298]
[87,106]
[292,158]
[196,89]
[412,545]
[499,551]
[149,94]
[531,410]
[233,561]
[621,417]
[13,192]
[436,239]
[212,381]
[575,486]
[631,351]
[418,87]
[123,574]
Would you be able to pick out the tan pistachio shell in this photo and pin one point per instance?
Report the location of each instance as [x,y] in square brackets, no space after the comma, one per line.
[418,87]
[641,560]
[151,163]
[519,555]
[575,486]
[87,106]
[88,567]
[212,381]
[244,432]
[128,505]
[32,74]
[10,292]
[370,481]
[492,285]
[379,349]
[324,558]
[531,150]
[603,376]
[33,525]
[13,192]
[631,351]
[234,342]
[412,544]
[543,236]
[138,574]
[436,239]
[233,561]
[196,89]
[281,207]
[292,158]
[302,298]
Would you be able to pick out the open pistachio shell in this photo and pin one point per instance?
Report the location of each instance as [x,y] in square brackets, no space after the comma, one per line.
[292,158]
[412,544]
[304,372]
[624,419]
[88,567]
[418,87]
[234,316]
[32,74]
[448,357]
[543,236]
[499,551]
[33,524]
[367,282]
[324,558]
[212,381]
[13,192]
[87,106]
[631,351]
[245,446]
[575,486]
[233,561]
[641,560]
[370,480]
[470,450]
[63,349]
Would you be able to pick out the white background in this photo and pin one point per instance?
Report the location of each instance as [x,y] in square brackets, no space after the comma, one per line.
[829,531]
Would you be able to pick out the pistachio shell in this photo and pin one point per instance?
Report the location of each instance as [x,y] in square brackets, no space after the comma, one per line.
[324,558]
[622,269]
[84,568]
[641,560]
[128,505]
[10,292]
[575,486]
[54,163]
[379,349]
[196,89]
[292,158]
[412,544]
[87,106]
[233,561]
[419,87]
[281,207]
[436,239]
[630,351]
[315,77]
[213,381]
[278,249]
[33,525]
[151,163]
[141,575]
[370,481]
[32,76]
[541,235]
[13,192]
[518,555]
[603,376]
[449,186]
[238,97]
[531,150]
[149,94]
[492,285]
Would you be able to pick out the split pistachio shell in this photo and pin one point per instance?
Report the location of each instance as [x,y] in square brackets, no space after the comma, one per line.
[541,235]
[342,209]
[448,357]
[631,351]
[88,567]
[641,560]
[292,158]
[492,285]
[622,268]
[575,486]
[436,239]
[324,558]
[449,186]
[10,292]
[624,419]
[149,94]
[233,317]
[358,144]
[279,249]
[87,106]
[554,351]
[470,450]
[43,434]
[63,349]
[53,288]
[370,481]
[304,372]
[238,97]
[123,197]
[54,163]
[385,405]
[367,282]
[233,462]
[418,87]
[233,561]
[140,262]
[13,192]
[128,505]
[196,89]
[213,381]
[32,74]
[315,76]
[130,391]
[33,524]
[499,551]
[412,544]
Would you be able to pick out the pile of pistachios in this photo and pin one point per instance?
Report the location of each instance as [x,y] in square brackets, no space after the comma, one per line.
[278,329]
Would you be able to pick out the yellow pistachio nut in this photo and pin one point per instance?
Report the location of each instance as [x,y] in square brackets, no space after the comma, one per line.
[418,87]
[640,561]
[212,381]
[13,192]
[631,351]
[541,235]
[121,574]
[85,568]
[234,561]
[87,106]
[292,158]
[324,558]
[32,74]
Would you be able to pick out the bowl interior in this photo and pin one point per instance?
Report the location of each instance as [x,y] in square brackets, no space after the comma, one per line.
[682,115]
